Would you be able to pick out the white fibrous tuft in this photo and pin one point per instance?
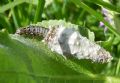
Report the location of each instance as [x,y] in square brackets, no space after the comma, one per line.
[68,41]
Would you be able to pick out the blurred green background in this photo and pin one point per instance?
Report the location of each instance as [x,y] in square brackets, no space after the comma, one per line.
[85,13]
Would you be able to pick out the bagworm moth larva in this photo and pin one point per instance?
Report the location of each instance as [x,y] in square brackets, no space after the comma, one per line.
[68,41]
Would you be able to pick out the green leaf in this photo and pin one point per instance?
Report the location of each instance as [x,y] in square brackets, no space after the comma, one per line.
[108,43]
[28,60]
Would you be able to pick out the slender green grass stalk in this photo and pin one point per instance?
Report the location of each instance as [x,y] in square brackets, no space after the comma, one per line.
[38,14]
[117,68]
[29,12]
[81,14]
[64,8]
[11,5]
[106,5]
[97,15]
[5,23]
[14,16]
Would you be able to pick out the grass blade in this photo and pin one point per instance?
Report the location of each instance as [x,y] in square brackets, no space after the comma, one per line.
[5,22]
[11,5]
[97,15]
[38,14]
[106,5]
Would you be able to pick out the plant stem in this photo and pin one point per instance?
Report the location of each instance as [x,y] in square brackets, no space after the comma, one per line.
[117,68]
[14,16]
[38,14]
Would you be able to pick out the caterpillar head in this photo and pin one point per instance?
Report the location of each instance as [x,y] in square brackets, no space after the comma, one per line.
[21,31]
